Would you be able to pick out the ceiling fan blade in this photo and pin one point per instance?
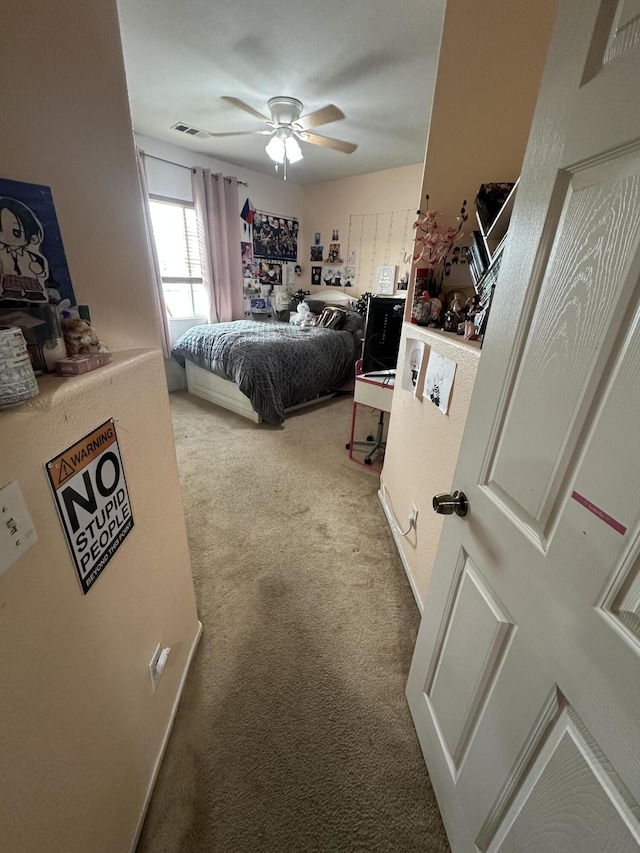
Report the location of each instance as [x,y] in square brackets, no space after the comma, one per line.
[241,105]
[323,116]
[244,133]
[328,142]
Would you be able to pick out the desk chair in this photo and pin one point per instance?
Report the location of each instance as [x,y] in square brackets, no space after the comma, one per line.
[376,393]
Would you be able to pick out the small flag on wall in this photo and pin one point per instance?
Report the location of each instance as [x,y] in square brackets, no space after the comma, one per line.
[248,212]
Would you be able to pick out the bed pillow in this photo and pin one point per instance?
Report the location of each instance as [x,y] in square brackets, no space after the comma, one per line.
[353,321]
[316,306]
[332,317]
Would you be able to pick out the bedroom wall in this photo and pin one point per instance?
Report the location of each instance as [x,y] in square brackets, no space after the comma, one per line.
[374,215]
[82,730]
[505,43]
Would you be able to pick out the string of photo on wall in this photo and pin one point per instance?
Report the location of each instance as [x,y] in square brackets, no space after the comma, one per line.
[374,252]
[385,277]
[388,267]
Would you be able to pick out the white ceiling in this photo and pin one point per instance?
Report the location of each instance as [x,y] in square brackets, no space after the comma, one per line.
[374,59]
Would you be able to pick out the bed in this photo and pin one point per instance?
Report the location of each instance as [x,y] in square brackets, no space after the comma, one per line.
[263,370]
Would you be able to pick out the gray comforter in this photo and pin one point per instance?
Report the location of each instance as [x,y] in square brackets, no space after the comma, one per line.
[274,365]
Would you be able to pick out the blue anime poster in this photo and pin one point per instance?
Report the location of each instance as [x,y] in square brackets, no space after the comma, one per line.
[33,266]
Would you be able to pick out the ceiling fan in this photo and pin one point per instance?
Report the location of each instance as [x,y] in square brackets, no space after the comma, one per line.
[286,127]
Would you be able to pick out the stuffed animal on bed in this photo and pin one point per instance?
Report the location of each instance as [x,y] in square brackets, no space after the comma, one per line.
[303,317]
[80,337]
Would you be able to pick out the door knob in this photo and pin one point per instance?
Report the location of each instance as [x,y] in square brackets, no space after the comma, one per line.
[448,504]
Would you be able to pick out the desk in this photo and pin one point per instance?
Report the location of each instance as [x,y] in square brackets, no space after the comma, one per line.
[376,392]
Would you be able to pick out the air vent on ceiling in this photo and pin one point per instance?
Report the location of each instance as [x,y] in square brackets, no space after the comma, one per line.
[190,131]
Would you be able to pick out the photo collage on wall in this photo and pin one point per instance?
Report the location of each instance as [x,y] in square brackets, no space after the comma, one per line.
[35,285]
[334,273]
[273,244]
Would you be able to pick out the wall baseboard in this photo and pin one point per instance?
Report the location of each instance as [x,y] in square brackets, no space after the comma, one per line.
[397,540]
[165,740]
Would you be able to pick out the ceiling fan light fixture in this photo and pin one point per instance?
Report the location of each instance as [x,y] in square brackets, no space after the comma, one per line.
[292,150]
[288,127]
[275,148]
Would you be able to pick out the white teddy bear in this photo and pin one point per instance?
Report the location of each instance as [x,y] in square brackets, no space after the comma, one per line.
[302,317]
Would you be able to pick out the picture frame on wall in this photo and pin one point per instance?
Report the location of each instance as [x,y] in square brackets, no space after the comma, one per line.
[386,278]
[403,281]
[316,275]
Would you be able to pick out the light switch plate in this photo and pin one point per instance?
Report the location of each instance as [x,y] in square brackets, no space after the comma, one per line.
[17,533]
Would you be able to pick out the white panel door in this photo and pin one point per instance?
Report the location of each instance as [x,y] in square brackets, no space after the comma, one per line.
[525,681]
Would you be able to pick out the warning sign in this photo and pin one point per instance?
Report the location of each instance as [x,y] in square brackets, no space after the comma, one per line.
[91,495]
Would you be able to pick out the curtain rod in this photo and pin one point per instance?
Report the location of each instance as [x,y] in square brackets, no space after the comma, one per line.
[180,166]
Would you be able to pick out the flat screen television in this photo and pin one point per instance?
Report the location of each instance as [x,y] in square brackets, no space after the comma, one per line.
[382,332]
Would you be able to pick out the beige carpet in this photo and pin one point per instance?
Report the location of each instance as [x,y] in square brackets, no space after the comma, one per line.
[293,732]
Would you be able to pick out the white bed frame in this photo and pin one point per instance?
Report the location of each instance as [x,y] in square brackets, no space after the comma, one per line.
[225,393]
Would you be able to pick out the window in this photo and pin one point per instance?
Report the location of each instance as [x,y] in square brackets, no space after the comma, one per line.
[175,233]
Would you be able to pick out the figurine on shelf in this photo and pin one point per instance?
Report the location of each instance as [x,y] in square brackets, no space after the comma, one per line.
[470,331]
[451,321]
[421,313]
[457,302]
[436,310]
[472,306]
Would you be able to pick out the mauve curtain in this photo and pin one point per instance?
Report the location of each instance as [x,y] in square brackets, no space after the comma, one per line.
[161,312]
[216,202]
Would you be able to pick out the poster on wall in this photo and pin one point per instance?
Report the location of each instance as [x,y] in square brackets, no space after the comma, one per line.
[35,285]
[249,266]
[33,264]
[438,381]
[275,237]
[412,375]
[349,275]
[270,274]
[332,276]
[92,499]
[316,253]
